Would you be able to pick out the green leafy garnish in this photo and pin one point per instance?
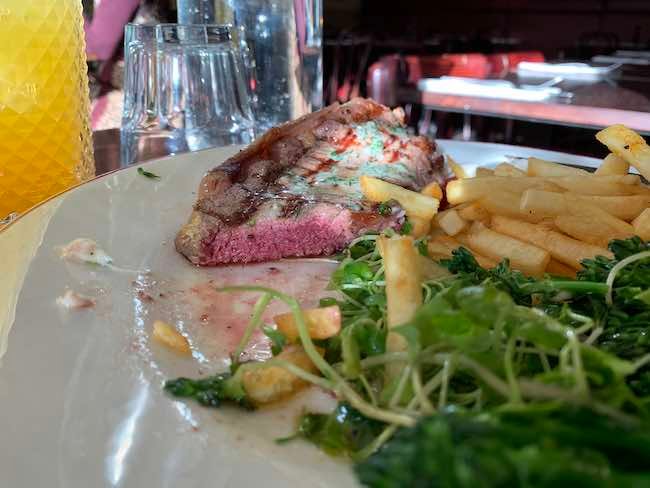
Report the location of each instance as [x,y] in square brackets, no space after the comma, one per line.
[278,339]
[343,432]
[421,246]
[211,391]
[148,174]
[524,448]
[406,228]
[384,208]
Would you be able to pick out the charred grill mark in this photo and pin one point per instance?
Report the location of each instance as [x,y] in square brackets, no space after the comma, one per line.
[324,165]
[292,206]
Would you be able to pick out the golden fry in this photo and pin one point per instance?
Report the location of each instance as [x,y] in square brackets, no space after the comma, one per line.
[482,172]
[322,323]
[565,249]
[537,203]
[403,283]
[473,211]
[628,145]
[600,185]
[508,204]
[451,222]
[507,169]
[613,165]
[540,167]
[642,225]
[415,204]
[420,227]
[403,290]
[559,269]
[589,229]
[456,168]
[168,336]
[433,190]
[273,383]
[525,257]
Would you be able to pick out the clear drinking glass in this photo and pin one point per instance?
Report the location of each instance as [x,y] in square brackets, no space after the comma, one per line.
[184,90]
[283,39]
[45,139]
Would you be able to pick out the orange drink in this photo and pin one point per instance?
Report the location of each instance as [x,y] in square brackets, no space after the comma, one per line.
[45,140]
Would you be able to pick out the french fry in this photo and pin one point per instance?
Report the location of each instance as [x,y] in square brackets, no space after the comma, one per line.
[456,168]
[589,229]
[430,270]
[509,204]
[600,185]
[322,323]
[403,290]
[613,165]
[420,227]
[433,190]
[482,172]
[415,204]
[472,189]
[625,207]
[507,169]
[538,203]
[451,222]
[540,167]
[442,247]
[628,145]
[477,226]
[548,185]
[580,208]
[559,269]
[473,211]
[168,336]
[273,383]
[481,259]
[525,257]
[642,225]
[565,249]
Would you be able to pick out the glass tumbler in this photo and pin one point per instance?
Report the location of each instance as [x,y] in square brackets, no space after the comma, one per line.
[45,138]
[184,90]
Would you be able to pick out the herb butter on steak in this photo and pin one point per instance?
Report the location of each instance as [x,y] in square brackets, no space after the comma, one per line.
[295,190]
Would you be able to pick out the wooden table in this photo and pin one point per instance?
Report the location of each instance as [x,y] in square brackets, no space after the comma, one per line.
[107,150]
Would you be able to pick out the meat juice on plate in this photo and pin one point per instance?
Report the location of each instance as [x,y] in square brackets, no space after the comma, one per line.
[214,321]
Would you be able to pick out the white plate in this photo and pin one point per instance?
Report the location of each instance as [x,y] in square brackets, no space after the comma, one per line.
[80,392]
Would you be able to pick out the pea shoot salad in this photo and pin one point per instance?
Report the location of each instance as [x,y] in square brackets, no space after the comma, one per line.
[497,379]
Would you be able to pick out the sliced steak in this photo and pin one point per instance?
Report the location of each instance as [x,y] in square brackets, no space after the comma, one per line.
[295,190]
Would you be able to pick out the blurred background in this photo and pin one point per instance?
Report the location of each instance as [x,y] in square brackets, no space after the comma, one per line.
[542,74]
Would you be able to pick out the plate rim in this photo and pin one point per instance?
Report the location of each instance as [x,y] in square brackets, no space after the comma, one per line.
[239,148]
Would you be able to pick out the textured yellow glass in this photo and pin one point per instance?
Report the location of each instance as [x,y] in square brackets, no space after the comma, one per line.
[45,140]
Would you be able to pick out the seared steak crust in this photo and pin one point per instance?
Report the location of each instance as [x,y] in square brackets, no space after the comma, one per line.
[295,190]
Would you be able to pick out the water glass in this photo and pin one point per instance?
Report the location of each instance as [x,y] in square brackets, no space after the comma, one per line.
[184,90]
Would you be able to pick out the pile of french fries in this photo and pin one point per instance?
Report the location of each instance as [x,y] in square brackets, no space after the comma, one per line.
[545,218]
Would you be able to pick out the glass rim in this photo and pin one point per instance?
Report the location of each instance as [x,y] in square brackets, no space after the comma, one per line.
[213,26]
[174,33]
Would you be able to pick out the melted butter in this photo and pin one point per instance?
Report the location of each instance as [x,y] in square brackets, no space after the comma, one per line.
[84,250]
[365,157]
